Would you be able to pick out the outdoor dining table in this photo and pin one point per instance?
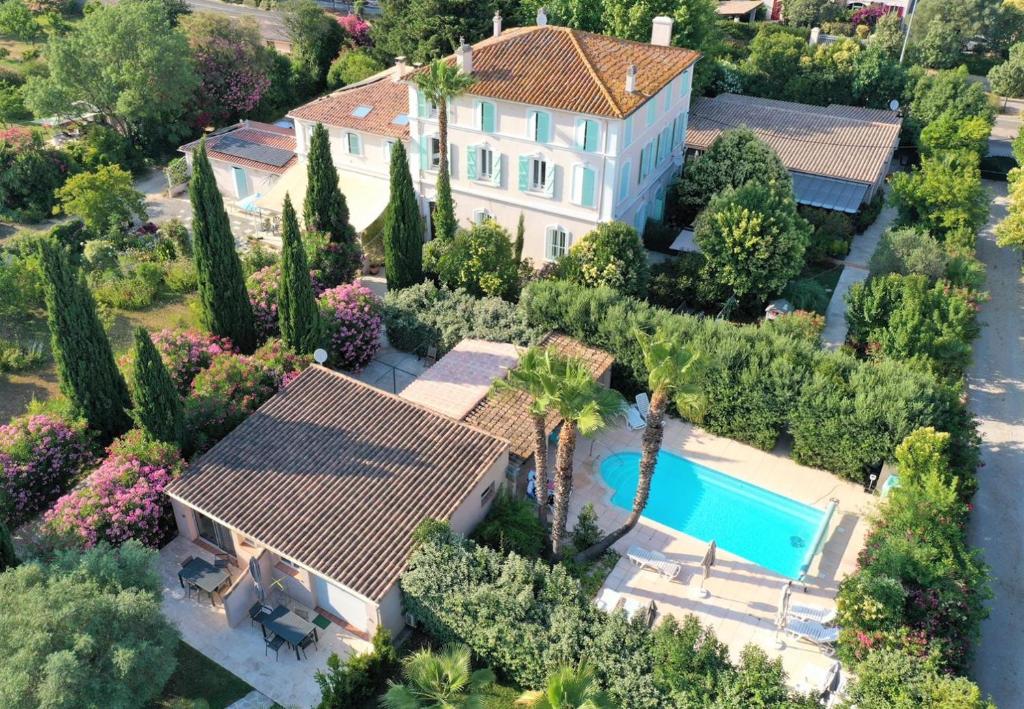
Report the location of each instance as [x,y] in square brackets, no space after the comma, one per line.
[289,626]
[204,576]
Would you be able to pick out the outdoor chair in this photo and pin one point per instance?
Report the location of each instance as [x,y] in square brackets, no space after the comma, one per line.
[257,613]
[654,561]
[431,356]
[274,642]
[643,404]
[635,419]
[814,633]
[306,642]
[817,614]
[185,562]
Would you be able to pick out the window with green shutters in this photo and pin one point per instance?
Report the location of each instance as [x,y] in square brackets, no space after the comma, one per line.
[584,188]
[627,131]
[485,116]
[652,112]
[588,135]
[483,164]
[540,126]
[624,181]
[668,98]
[536,175]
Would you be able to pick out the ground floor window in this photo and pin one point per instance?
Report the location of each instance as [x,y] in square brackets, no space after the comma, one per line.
[558,243]
[214,533]
[435,152]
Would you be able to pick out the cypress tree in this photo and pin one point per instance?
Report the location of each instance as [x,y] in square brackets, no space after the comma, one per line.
[325,209]
[225,308]
[8,559]
[296,305]
[520,236]
[88,375]
[158,408]
[403,228]
[444,208]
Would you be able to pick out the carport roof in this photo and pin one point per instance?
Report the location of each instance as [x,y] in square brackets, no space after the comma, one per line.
[335,475]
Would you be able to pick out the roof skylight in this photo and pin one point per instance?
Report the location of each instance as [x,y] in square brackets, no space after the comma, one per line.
[361,111]
[401,120]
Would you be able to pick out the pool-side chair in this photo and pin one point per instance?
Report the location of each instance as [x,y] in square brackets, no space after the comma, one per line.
[815,633]
[643,404]
[818,614]
[654,561]
[634,419]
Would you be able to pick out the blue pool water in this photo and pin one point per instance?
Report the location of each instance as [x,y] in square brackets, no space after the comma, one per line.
[749,521]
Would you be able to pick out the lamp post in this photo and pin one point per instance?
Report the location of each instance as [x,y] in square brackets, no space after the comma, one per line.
[910,25]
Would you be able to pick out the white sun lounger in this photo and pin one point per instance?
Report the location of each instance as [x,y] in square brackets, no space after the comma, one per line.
[817,614]
[814,633]
[643,404]
[608,600]
[634,419]
[654,560]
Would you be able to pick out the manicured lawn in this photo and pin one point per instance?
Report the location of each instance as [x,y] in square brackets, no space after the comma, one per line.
[200,682]
[827,276]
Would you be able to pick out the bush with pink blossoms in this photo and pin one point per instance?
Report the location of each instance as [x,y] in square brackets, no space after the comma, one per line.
[351,316]
[123,498]
[186,353]
[357,29]
[262,286]
[40,458]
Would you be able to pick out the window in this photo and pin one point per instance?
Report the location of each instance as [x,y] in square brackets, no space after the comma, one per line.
[538,174]
[487,494]
[668,97]
[624,181]
[435,152]
[539,126]
[480,216]
[287,562]
[485,116]
[652,112]
[584,186]
[214,532]
[484,164]
[646,162]
[354,143]
[557,243]
[588,135]
[388,146]
[627,131]
[425,108]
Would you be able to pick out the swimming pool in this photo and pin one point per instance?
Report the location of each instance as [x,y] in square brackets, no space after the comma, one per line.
[749,521]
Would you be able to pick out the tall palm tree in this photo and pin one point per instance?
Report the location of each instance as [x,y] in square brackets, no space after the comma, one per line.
[537,370]
[672,374]
[439,84]
[568,688]
[438,681]
[585,407]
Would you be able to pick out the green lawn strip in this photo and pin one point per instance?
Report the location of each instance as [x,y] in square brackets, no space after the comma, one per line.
[199,681]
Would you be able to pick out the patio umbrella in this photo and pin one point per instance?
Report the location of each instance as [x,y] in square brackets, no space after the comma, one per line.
[832,682]
[780,616]
[254,572]
[705,565]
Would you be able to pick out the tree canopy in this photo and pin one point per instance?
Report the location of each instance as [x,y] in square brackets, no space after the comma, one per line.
[611,255]
[480,260]
[103,199]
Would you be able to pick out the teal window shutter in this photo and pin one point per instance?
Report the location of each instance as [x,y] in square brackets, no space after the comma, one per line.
[424,150]
[624,182]
[471,162]
[677,130]
[421,105]
[487,117]
[524,173]
[627,133]
[543,127]
[587,192]
[652,112]
[590,136]
[668,97]
[496,169]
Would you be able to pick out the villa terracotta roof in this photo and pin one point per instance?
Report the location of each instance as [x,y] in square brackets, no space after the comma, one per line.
[386,99]
[505,414]
[335,475]
[840,142]
[571,70]
[731,8]
[253,133]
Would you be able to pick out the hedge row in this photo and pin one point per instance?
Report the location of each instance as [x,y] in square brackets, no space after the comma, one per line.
[761,382]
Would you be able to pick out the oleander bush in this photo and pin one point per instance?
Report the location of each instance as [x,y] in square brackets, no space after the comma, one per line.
[185,353]
[351,317]
[41,456]
[123,498]
[262,287]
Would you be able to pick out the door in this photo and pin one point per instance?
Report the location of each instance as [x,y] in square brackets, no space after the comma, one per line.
[241,183]
[214,533]
[339,602]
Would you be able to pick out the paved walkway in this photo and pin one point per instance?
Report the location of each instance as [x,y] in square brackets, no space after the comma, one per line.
[996,390]
[855,270]
[253,700]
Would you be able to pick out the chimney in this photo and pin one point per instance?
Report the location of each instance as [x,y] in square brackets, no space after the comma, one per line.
[399,68]
[542,17]
[464,56]
[631,79]
[661,31]
[497,23]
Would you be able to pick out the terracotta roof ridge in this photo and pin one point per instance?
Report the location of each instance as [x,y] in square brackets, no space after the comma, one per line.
[616,109]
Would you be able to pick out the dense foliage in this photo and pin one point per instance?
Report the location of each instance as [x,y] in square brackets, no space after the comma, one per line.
[157,409]
[611,255]
[360,679]
[188,352]
[943,194]
[104,200]
[324,208]
[30,171]
[512,525]
[479,260]
[351,319]
[908,250]
[402,227]
[297,313]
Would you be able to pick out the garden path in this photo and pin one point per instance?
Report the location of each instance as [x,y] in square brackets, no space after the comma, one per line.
[996,390]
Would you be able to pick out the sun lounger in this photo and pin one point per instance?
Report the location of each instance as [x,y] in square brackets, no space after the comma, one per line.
[815,633]
[643,404]
[818,614]
[634,419]
[653,560]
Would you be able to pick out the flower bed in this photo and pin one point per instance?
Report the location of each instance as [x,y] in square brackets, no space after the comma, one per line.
[40,458]
[351,314]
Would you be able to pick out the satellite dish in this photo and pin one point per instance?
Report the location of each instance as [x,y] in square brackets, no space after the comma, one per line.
[319,355]
[894,105]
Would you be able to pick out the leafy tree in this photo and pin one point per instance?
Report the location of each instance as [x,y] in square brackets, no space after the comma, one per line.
[325,208]
[890,678]
[736,157]
[568,688]
[877,78]
[753,239]
[30,173]
[579,14]
[908,250]
[88,375]
[8,557]
[517,249]
[949,92]
[887,40]
[939,48]
[233,64]
[672,378]
[1007,79]
[804,13]
[105,199]
[403,227]
[18,22]
[774,60]
[297,310]
[424,30]
[125,62]
[122,649]
[441,83]
[611,255]
[224,303]
[351,67]
[158,408]
[949,133]
[446,679]
[316,38]
[480,260]
[632,20]
[943,194]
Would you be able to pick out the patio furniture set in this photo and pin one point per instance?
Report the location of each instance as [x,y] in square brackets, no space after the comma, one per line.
[200,575]
[282,626]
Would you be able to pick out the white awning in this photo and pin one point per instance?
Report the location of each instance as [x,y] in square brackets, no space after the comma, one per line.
[365,195]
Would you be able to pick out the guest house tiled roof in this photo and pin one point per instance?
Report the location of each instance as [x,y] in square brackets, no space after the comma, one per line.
[387,100]
[248,137]
[335,475]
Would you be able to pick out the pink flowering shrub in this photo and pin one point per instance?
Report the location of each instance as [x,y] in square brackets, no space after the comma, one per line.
[123,498]
[40,458]
[262,286]
[869,15]
[351,315]
[187,352]
[234,386]
[357,29]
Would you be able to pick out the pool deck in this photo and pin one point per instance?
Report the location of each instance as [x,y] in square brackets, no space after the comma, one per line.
[743,597]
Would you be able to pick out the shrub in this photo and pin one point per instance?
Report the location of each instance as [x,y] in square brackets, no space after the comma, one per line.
[869,211]
[177,233]
[478,260]
[180,276]
[890,678]
[424,315]
[30,172]
[136,289]
[101,145]
[188,352]
[18,357]
[831,233]
[611,255]
[257,256]
[331,263]
[361,678]
[800,325]
[100,255]
[909,251]
[40,457]
[351,67]
[586,532]
[684,282]
[122,499]
[262,286]
[351,317]
[944,194]
[807,294]
[512,526]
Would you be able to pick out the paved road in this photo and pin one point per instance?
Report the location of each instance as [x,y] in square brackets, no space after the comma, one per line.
[996,389]
[270,21]
[1006,128]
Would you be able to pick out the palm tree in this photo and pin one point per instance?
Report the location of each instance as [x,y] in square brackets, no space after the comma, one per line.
[585,408]
[439,84]
[568,688]
[438,681]
[537,370]
[672,372]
